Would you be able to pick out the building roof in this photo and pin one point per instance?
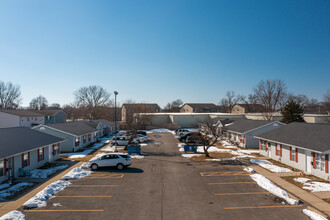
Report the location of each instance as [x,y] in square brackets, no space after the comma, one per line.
[91,123]
[21,139]
[22,113]
[201,105]
[244,125]
[103,121]
[142,107]
[224,121]
[75,128]
[305,135]
[253,107]
[47,112]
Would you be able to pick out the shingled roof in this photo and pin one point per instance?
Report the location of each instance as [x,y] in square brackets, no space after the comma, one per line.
[21,139]
[244,125]
[47,112]
[142,107]
[299,134]
[75,128]
[202,105]
[22,113]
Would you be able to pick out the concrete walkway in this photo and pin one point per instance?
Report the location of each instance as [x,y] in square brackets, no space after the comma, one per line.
[13,205]
[308,197]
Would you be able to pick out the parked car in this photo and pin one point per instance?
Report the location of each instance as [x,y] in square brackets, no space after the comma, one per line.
[119,160]
[141,138]
[121,140]
[182,131]
[183,138]
[144,133]
[195,138]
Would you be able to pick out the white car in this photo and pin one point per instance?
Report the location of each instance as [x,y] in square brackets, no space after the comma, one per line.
[141,138]
[121,140]
[119,160]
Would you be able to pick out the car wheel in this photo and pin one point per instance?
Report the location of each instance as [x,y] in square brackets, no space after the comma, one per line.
[120,166]
[181,134]
[94,166]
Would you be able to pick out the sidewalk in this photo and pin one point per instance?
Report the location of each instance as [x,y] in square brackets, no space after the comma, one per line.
[308,197]
[14,205]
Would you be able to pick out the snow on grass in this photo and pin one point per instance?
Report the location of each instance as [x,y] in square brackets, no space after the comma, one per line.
[181,144]
[313,215]
[44,173]
[181,149]
[40,199]
[191,155]
[13,189]
[76,173]
[269,186]
[220,159]
[137,156]
[84,166]
[313,186]
[77,154]
[13,215]
[270,166]
[160,130]
[143,144]
[230,147]
[249,151]
[109,149]
[5,185]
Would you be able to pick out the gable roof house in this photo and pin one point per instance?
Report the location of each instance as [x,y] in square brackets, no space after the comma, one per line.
[17,118]
[77,134]
[247,108]
[242,131]
[130,109]
[52,116]
[103,126]
[200,108]
[25,148]
[300,145]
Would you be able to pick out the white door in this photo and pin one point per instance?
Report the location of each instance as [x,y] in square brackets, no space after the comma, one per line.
[308,161]
[269,150]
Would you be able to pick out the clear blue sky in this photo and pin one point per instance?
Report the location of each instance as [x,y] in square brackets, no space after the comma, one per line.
[158,51]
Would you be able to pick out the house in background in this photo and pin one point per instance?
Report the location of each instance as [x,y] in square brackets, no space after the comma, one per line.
[18,118]
[128,110]
[52,116]
[22,147]
[300,145]
[108,126]
[242,131]
[200,108]
[247,108]
[76,134]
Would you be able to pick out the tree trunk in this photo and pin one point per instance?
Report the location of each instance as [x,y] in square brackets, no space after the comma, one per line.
[206,151]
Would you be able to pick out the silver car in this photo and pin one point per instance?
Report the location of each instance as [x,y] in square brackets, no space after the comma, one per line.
[119,160]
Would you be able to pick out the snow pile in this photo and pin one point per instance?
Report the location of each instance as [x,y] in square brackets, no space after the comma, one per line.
[44,173]
[181,145]
[249,151]
[313,186]
[270,166]
[76,173]
[137,156]
[5,185]
[13,215]
[143,144]
[181,149]
[109,149]
[313,215]
[230,147]
[269,186]
[249,169]
[77,154]
[200,149]
[84,166]
[12,190]
[57,204]
[40,199]
[161,130]
[191,155]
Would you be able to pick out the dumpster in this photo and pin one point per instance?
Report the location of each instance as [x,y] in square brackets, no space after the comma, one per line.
[190,148]
[134,149]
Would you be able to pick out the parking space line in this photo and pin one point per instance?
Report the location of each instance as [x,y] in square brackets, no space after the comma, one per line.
[93,185]
[100,176]
[246,193]
[224,183]
[63,210]
[230,173]
[85,196]
[265,207]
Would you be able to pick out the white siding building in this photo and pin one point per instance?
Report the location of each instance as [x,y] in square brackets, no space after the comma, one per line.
[18,118]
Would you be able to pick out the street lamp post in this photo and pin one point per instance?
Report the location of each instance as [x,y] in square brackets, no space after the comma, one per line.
[116,93]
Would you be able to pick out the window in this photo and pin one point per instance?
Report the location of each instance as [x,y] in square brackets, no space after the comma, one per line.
[84,138]
[89,137]
[40,154]
[77,142]
[293,154]
[25,160]
[95,134]
[55,149]
[320,162]
[28,119]
[278,149]
[2,168]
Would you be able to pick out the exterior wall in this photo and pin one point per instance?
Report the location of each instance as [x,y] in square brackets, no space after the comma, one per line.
[123,113]
[237,109]
[323,119]
[28,121]
[160,119]
[8,120]
[190,121]
[186,109]
[259,116]
[60,117]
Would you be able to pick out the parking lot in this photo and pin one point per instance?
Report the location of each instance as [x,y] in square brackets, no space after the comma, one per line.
[164,185]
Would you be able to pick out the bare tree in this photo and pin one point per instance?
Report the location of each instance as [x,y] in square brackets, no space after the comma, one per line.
[230,101]
[74,111]
[54,106]
[92,98]
[174,106]
[326,99]
[210,135]
[10,96]
[38,103]
[272,94]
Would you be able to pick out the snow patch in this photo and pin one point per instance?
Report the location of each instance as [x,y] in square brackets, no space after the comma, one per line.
[313,215]
[313,186]
[137,156]
[191,155]
[249,169]
[220,159]
[40,199]
[13,215]
[143,145]
[12,190]
[269,186]
[77,154]
[161,130]
[76,173]
[44,173]
[270,166]
[57,204]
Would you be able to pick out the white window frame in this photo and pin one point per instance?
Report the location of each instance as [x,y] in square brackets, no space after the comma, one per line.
[2,167]
[320,162]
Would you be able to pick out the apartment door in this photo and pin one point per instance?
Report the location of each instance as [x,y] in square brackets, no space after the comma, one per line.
[309,159]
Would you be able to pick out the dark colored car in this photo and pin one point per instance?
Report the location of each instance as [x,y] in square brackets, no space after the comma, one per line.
[183,138]
[142,132]
[195,139]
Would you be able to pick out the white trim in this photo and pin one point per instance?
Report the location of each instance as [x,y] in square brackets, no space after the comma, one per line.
[272,122]
[76,135]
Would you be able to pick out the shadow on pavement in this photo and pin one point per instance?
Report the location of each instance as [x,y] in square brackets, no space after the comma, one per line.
[114,170]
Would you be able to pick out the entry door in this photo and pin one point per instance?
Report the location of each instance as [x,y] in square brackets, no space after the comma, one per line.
[269,150]
[308,156]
